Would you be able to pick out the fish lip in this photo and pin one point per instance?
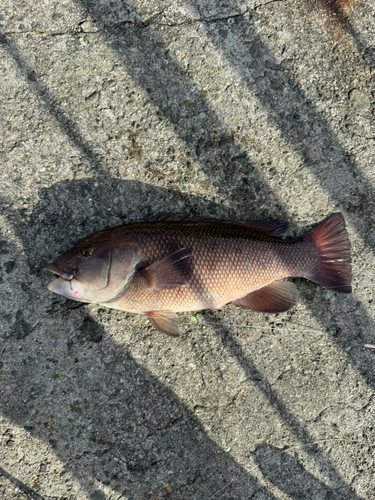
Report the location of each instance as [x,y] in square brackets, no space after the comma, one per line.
[51,267]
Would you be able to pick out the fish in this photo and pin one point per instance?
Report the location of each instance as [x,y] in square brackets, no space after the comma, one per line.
[173,263]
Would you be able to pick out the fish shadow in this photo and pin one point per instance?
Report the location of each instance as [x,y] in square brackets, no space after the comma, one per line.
[71,209]
[118,416]
[106,417]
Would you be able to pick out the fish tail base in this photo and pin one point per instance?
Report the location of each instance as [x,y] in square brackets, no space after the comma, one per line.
[333,269]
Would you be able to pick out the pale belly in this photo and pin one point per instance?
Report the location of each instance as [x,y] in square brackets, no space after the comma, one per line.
[188,298]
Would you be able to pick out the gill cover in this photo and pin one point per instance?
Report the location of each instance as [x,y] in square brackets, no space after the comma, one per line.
[92,270]
[97,275]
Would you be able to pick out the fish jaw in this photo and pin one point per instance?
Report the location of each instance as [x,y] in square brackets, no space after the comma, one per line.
[63,287]
[54,269]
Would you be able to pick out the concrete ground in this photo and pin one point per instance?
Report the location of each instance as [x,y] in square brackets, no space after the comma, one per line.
[249,109]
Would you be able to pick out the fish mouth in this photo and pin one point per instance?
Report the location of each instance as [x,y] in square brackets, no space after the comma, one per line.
[51,267]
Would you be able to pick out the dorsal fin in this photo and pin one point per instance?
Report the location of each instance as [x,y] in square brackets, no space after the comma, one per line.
[270,227]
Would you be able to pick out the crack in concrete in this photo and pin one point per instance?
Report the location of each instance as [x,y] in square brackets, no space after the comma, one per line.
[267,3]
[344,404]
[73,31]
[211,20]
[77,30]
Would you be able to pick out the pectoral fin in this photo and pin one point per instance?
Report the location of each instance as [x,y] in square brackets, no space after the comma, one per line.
[164,321]
[173,271]
[276,297]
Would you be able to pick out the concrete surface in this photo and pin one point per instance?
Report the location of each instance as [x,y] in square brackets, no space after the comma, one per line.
[113,110]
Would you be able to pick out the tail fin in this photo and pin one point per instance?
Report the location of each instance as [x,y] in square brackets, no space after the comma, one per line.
[331,241]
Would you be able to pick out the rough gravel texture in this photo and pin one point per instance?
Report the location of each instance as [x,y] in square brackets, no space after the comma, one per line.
[115,110]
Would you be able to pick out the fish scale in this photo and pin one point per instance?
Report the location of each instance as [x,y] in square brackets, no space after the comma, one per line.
[228,266]
[172,264]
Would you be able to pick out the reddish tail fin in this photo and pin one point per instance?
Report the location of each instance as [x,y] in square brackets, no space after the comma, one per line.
[332,244]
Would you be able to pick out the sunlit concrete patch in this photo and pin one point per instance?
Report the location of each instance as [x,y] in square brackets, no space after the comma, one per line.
[40,17]
[10,234]
[43,154]
[126,141]
[320,157]
[115,112]
[256,136]
[39,464]
[266,372]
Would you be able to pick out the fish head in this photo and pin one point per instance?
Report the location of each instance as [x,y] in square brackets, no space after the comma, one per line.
[93,271]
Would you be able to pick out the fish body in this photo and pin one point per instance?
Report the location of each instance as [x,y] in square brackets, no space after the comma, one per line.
[171,264]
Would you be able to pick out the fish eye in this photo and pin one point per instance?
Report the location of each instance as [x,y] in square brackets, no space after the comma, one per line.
[87,251]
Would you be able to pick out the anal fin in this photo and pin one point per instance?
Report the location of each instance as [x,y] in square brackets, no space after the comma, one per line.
[164,321]
[276,297]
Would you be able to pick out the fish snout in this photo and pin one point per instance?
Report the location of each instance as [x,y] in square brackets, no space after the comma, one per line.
[67,274]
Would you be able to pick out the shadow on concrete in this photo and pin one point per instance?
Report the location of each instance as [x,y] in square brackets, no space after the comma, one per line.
[295,427]
[137,424]
[302,126]
[200,138]
[185,430]
[107,418]
[20,485]
[62,120]
[193,120]
[290,477]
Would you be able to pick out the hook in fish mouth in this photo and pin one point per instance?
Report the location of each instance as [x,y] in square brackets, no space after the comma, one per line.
[51,267]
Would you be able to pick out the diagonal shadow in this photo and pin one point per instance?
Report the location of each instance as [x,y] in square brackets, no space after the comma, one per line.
[367,52]
[69,128]
[308,133]
[201,139]
[290,477]
[287,417]
[194,122]
[139,430]
[169,112]
[31,494]
[137,435]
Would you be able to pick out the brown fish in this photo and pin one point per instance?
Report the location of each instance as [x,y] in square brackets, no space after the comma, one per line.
[172,263]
